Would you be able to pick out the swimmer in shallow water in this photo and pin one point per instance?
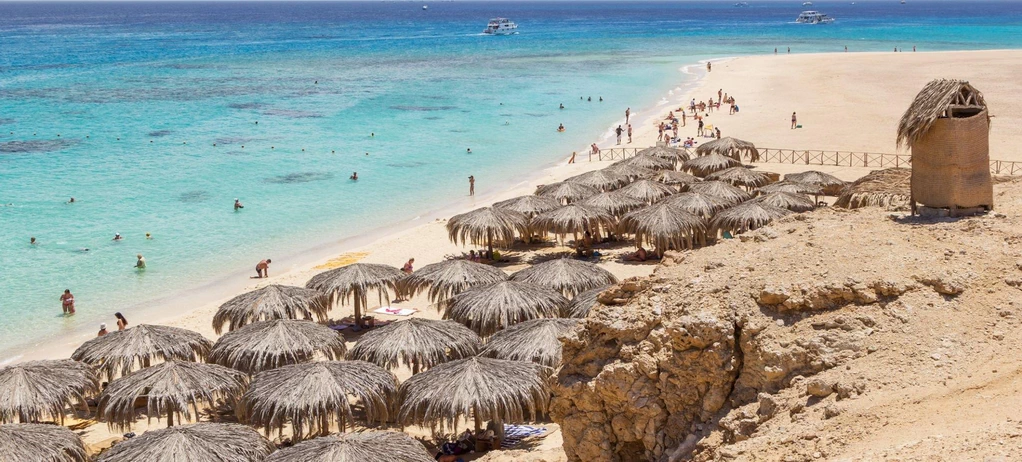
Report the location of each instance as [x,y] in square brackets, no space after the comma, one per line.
[32,241]
[354,176]
[238,205]
[560,128]
[140,263]
[117,237]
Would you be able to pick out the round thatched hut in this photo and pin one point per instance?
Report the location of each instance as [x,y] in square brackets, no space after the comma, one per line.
[947,127]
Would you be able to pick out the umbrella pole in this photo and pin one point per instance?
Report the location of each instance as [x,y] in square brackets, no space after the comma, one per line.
[358,309]
[478,421]
[170,418]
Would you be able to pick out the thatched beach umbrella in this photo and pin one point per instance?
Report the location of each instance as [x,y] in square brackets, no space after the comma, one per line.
[121,352]
[731,147]
[793,202]
[219,442]
[582,303]
[534,340]
[566,275]
[722,190]
[746,217]
[648,191]
[364,446]
[451,277]
[312,396]
[40,442]
[663,226]
[479,388]
[630,171]
[529,206]
[271,302]
[790,187]
[566,192]
[173,388]
[647,162]
[267,345]
[38,390]
[673,178]
[889,188]
[705,165]
[662,151]
[614,203]
[740,176]
[356,281]
[699,204]
[603,180]
[488,308]
[574,219]
[830,184]
[487,226]
[418,343]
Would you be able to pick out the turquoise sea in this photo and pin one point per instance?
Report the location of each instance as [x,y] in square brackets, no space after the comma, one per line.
[155,116]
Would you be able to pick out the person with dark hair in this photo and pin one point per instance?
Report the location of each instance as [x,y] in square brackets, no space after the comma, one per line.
[67,301]
[121,322]
[263,269]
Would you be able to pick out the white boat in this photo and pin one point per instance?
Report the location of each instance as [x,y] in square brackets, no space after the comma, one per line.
[742,4]
[813,17]
[807,3]
[501,26]
[425,7]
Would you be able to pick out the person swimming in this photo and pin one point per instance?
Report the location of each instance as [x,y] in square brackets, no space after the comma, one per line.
[562,106]
[32,241]
[140,263]
[354,176]
[238,205]
[560,128]
[117,237]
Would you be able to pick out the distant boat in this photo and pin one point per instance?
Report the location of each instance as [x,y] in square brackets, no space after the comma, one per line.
[425,7]
[807,3]
[501,26]
[742,4]
[813,17]
[902,2]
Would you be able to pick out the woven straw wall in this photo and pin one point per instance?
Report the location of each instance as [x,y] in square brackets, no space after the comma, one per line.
[951,164]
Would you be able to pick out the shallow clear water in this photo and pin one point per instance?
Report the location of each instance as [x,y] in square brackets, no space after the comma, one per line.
[147,114]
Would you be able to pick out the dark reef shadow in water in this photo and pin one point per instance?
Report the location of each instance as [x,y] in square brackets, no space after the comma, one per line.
[36,146]
[246,105]
[292,113]
[300,177]
[423,108]
[412,164]
[433,118]
[194,197]
[536,114]
[6,121]
[159,133]
[234,140]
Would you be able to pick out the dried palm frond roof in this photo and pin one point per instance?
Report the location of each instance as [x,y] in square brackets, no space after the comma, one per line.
[613,202]
[418,343]
[40,442]
[220,442]
[663,225]
[730,147]
[740,176]
[699,204]
[746,217]
[529,206]
[535,340]
[488,308]
[271,302]
[672,177]
[784,200]
[566,192]
[705,165]
[356,279]
[313,395]
[451,277]
[648,191]
[486,226]
[813,177]
[662,151]
[572,218]
[888,188]
[630,171]
[939,98]
[270,344]
[582,303]
[722,190]
[791,187]
[38,390]
[566,275]
[647,162]
[476,387]
[174,389]
[121,352]
[364,446]
[603,180]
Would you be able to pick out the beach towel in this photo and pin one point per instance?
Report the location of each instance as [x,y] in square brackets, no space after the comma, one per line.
[514,434]
[395,311]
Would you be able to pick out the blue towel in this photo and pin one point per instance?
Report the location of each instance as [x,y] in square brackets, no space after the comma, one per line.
[513,434]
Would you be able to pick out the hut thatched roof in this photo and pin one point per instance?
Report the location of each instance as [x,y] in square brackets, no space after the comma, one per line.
[648,191]
[722,190]
[267,345]
[582,303]
[357,280]
[613,202]
[487,226]
[791,187]
[271,302]
[39,390]
[705,165]
[603,180]
[566,275]
[451,277]
[529,206]
[813,177]
[40,442]
[740,176]
[647,162]
[566,192]
[174,389]
[699,204]
[671,177]
[793,202]
[731,147]
[534,340]
[631,171]
[572,218]
[121,352]
[417,343]
[220,442]
[309,395]
[488,308]
[939,98]
[746,217]
[480,388]
[662,151]
[889,188]
[364,446]
[663,226]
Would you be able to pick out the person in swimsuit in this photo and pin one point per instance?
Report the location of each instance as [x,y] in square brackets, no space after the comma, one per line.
[67,301]
[263,269]
[102,330]
[117,236]
[140,263]
[354,176]
[121,322]
[238,205]
[32,241]
[407,269]
[794,121]
[471,185]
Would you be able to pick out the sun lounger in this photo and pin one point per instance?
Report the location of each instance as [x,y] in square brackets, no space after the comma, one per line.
[395,311]
[514,434]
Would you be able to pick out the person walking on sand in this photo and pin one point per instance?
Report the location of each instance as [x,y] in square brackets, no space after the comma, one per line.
[263,268]
[683,117]
[237,205]
[628,115]
[471,185]
[794,121]
[67,301]
[699,130]
[619,131]
[572,160]
[629,133]
[718,132]
[121,322]
[719,93]
[140,263]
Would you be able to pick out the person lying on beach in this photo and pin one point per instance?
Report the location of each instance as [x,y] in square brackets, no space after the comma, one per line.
[263,269]
[639,255]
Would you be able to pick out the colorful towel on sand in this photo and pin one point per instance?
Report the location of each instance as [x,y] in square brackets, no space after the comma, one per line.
[395,311]
[514,434]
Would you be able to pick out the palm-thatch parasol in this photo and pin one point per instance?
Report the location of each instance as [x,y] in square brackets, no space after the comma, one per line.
[722,190]
[648,191]
[37,390]
[357,280]
[574,219]
[40,442]
[487,226]
[699,204]
[582,303]
[451,277]
[271,302]
[830,184]
[630,171]
[267,345]
[220,442]
[566,275]
[488,308]
[364,446]
[415,342]
[793,202]
[483,388]
[136,347]
[746,217]
[614,203]
[534,340]
[740,176]
[566,192]
[790,187]
[529,206]
[889,188]
[603,180]
[172,388]
[312,396]
[662,151]
[647,162]
[705,165]
[731,147]
[673,178]
[663,225]
[938,99]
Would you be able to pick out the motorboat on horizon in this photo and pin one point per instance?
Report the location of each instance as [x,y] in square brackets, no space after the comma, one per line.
[813,17]
[501,26]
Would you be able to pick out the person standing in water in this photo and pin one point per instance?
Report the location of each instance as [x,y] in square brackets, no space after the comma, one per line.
[32,241]
[67,301]
[140,263]
[628,114]
[263,269]
[238,205]
[471,185]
